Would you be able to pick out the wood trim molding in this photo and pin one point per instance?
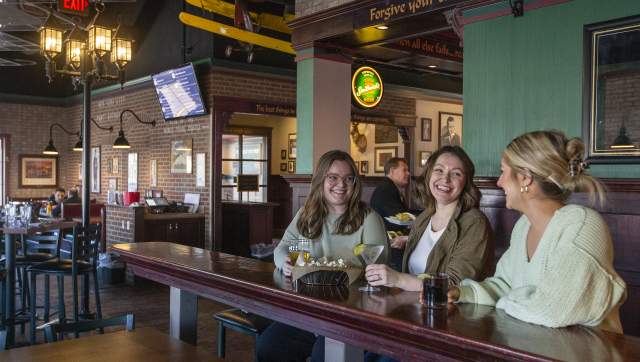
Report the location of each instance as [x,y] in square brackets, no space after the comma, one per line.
[611,184]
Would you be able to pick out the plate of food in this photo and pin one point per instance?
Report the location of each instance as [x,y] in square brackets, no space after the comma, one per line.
[402,219]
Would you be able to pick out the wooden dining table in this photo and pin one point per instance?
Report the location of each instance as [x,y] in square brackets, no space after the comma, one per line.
[390,322]
[142,344]
[11,233]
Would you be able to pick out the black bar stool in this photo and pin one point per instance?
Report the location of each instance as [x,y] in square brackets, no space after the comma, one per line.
[239,321]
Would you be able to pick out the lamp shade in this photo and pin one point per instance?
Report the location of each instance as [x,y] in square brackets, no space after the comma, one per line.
[99,40]
[74,53]
[121,141]
[50,41]
[78,146]
[622,140]
[121,52]
[50,149]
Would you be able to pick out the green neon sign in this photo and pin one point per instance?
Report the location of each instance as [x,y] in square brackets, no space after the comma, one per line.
[366,87]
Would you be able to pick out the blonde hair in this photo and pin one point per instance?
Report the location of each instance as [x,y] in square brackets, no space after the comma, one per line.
[555,163]
[315,209]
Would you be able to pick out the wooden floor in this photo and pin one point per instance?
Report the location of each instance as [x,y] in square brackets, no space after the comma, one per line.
[150,304]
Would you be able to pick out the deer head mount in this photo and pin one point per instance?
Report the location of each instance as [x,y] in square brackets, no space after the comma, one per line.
[359,139]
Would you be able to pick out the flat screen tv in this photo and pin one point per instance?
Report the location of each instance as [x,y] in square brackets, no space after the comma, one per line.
[179,93]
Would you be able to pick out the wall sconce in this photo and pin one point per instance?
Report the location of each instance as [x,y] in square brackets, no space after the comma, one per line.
[121,142]
[78,146]
[51,149]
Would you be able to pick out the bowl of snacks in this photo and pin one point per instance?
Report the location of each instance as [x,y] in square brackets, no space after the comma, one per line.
[325,271]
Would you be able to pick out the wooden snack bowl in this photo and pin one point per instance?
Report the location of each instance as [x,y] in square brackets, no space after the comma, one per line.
[325,275]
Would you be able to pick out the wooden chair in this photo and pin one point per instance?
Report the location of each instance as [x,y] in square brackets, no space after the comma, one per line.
[84,258]
[51,331]
[239,321]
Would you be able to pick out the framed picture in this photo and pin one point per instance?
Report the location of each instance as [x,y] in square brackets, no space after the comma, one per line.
[95,169]
[424,157]
[450,129]
[357,165]
[132,172]
[283,155]
[364,167]
[425,130]
[115,165]
[201,169]
[611,89]
[113,183]
[385,134]
[153,173]
[38,171]
[181,156]
[292,144]
[382,155]
[283,166]
[292,167]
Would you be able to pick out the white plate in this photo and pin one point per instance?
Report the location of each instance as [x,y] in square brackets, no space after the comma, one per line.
[393,220]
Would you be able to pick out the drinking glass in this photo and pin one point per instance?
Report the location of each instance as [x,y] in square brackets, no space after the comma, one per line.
[370,254]
[434,290]
[305,247]
[294,251]
[27,211]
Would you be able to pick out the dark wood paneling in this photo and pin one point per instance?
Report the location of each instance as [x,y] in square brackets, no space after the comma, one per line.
[244,224]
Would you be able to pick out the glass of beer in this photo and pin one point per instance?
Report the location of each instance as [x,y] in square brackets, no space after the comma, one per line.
[294,251]
[305,248]
[434,290]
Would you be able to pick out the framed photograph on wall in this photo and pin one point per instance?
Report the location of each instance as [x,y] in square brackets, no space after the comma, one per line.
[113,183]
[292,167]
[611,89]
[153,173]
[450,129]
[201,169]
[95,169]
[38,171]
[357,165]
[424,157]
[283,166]
[425,129]
[283,154]
[132,172]
[181,161]
[115,165]
[382,155]
[364,167]
[385,134]
[292,145]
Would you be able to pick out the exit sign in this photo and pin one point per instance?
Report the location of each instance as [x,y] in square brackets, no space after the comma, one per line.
[75,7]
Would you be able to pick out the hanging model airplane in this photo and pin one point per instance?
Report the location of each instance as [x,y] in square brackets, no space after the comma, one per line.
[246,26]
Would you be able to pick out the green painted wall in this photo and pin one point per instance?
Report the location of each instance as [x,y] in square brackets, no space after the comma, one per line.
[304,114]
[524,74]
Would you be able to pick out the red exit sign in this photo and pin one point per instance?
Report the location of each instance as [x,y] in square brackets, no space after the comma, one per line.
[75,7]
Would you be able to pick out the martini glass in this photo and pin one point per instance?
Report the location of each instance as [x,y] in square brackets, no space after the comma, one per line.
[370,254]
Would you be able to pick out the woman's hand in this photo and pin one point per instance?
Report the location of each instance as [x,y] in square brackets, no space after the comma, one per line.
[287,267]
[399,242]
[453,294]
[380,274]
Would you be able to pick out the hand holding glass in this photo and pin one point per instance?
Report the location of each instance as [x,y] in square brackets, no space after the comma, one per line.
[370,253]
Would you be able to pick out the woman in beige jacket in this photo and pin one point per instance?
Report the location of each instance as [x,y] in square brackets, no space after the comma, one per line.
[451,235]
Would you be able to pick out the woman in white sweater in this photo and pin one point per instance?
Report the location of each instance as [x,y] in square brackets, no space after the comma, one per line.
[558,270]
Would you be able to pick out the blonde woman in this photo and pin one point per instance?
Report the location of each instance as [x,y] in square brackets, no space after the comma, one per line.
[558,270]
[336,220]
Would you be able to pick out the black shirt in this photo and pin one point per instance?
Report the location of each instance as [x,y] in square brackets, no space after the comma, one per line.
[386,201]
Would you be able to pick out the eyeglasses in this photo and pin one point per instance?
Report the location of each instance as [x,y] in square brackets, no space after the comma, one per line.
[334,179]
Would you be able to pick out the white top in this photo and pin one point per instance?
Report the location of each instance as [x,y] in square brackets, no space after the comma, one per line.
[419,256]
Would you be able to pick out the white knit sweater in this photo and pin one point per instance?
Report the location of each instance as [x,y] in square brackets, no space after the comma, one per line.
[570,279]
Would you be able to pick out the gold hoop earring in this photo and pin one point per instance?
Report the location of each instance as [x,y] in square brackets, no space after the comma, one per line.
[524,189]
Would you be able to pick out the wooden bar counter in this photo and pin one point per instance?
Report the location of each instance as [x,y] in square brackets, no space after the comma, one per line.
[390,322]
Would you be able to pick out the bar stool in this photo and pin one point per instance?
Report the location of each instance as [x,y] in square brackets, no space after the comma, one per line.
[239,321]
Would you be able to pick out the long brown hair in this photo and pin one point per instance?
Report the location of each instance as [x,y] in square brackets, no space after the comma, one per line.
[315,209]
[470,197]
[555,162]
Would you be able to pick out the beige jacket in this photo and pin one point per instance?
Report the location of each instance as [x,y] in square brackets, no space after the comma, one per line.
[464,251]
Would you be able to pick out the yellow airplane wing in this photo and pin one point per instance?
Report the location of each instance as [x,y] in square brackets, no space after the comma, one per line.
[269,21]
[235,33]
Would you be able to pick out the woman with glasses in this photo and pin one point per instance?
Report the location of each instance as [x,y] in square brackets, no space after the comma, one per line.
[335,218]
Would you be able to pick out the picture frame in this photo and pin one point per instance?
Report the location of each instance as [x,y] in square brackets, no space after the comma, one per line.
[132,172]
[610,116]
[357,163]
[364,167]
[153,173]
[95,169]
[283,155]
[449,129]
[113,183]
[385,133]
[423,156]
[38,171]
[283,166]
[292,144]
[425,129]
[291,166]
[382,155]
[201,162]
[181,156]
[115,165]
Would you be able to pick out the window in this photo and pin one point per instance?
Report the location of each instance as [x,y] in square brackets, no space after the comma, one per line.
[245,151]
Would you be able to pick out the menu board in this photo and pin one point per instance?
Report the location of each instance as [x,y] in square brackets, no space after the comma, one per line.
[179,93]
[247,183]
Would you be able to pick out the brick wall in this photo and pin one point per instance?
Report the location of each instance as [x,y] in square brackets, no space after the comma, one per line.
[28,130]
[308,7]
[117,218]
[622,101]
[251,86]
